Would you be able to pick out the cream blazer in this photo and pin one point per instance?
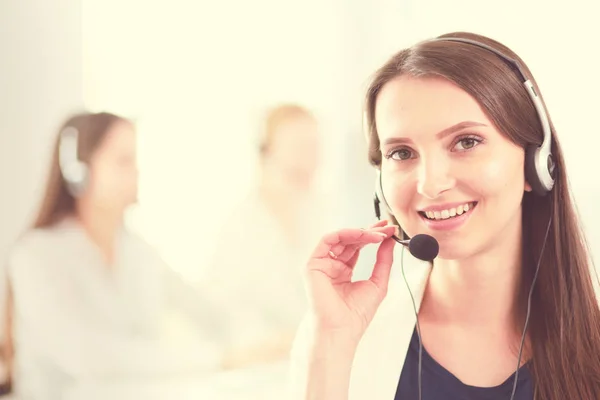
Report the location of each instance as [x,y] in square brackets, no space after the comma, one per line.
[382,350]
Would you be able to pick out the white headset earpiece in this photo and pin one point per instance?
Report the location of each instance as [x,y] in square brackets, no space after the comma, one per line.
[74,172]
[540,167]
[539,162]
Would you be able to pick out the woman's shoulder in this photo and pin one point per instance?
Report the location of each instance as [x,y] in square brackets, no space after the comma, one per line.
[138,250]
[34,240]
[41,245]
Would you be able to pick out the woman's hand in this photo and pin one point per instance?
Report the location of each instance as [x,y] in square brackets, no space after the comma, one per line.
[343,308]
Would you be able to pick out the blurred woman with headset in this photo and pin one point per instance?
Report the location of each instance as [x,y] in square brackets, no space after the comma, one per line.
[89,296]
[258,282]
[466,153]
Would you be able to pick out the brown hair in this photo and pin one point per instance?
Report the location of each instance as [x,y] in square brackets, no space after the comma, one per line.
[564,329]
[57,201]
[275,117]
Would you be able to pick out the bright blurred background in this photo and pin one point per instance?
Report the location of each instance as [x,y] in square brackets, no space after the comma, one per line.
[196,77]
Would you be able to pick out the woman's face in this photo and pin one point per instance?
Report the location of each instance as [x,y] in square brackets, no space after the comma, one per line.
[294,149]
[113,169]
[446,170]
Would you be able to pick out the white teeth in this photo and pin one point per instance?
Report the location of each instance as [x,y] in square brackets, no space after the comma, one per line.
[452,212]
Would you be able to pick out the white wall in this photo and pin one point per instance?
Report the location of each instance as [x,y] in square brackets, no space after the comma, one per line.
[196,76]
[40,82]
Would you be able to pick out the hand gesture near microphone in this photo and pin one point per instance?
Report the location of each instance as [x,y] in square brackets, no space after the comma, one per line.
[338,304]
[340,309]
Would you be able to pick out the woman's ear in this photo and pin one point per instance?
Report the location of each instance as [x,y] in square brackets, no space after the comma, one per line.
[527,186]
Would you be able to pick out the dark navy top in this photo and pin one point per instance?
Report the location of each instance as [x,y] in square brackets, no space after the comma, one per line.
[439,384]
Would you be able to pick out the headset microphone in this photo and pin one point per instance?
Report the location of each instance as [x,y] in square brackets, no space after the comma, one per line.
[421,246]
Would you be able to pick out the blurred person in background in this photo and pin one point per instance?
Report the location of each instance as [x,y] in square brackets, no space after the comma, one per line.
[256,274]
[89,296]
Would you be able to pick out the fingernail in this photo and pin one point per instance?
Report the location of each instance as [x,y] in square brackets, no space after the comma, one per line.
[396,231]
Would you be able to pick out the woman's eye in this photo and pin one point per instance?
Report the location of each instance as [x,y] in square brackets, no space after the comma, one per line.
[466,144]
[400,155]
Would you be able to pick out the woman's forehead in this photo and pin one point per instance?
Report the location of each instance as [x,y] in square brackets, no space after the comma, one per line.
[408,106]
[121,136]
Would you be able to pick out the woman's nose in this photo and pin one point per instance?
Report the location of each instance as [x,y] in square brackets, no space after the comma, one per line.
[434,177]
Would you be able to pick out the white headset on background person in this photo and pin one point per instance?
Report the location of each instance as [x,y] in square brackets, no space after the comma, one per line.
[74,172]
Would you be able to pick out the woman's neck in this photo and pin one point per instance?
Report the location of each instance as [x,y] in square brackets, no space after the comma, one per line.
[482,291]
[101,225]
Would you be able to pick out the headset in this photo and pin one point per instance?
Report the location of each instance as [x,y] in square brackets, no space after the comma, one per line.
[540,172]
[74,172]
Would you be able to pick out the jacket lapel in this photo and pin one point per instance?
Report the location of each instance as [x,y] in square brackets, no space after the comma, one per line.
[381,353]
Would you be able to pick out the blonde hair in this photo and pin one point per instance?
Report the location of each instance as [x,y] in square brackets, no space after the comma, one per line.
[277,116]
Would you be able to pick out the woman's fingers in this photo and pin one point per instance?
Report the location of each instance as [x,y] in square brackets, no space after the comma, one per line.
[333,244]
[345,252]
[380,223]
[383,265]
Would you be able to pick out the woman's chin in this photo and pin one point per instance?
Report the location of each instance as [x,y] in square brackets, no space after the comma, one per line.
[453,249]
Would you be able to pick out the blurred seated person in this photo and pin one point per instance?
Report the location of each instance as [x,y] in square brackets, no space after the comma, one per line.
[255,276]
[90,296]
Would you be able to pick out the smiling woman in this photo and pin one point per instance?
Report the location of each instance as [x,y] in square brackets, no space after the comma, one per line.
[456,159]
[466,153]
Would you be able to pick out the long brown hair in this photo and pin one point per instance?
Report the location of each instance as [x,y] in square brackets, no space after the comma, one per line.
[57,201]
[564,329]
